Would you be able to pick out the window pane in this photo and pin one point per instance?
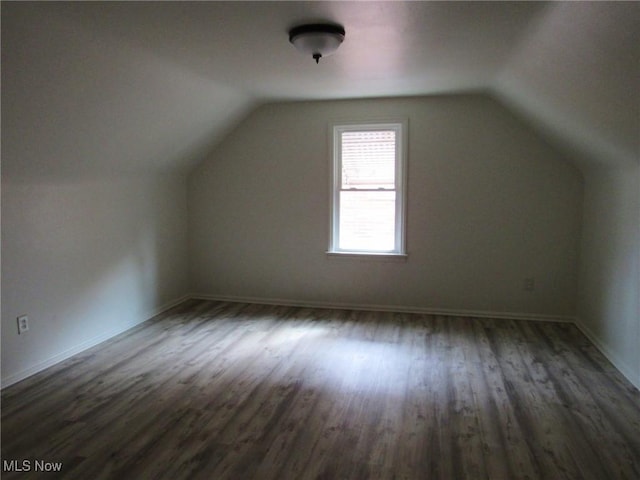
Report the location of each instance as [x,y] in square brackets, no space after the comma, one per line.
[368,159]
[367,220]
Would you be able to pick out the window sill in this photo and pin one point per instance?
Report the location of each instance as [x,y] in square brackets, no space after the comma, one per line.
[365,256]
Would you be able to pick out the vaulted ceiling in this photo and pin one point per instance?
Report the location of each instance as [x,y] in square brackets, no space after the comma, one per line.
[115,87]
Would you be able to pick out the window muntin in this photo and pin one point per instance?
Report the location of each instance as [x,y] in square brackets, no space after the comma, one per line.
[368,189]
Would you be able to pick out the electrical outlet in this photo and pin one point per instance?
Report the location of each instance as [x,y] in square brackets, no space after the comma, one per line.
[23,324]
[529,284]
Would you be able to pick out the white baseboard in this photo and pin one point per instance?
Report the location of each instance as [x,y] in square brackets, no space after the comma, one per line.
[387,308]
[619,363]
[38,367]
[166,306]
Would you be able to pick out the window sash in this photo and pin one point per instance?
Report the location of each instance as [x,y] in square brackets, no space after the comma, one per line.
[367,229]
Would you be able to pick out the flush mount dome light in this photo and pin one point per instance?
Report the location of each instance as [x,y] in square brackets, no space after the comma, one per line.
[317,40]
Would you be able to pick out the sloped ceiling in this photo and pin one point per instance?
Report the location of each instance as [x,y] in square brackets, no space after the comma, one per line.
[576,76]
[125,87]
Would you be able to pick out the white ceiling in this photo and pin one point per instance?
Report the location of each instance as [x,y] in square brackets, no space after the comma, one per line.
[139,86]
[391,48]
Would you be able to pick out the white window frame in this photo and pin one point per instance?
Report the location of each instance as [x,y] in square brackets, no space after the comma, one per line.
[400,126]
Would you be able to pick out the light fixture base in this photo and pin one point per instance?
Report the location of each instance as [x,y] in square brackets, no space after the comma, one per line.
[317,40]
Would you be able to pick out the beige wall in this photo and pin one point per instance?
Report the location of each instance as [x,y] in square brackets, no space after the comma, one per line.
[609,306]
[86,259]
[489,204]
[575,78]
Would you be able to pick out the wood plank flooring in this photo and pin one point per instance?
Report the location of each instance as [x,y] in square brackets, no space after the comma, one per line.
[218,390]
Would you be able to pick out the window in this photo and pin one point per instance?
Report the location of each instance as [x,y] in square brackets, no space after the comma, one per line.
[368,208]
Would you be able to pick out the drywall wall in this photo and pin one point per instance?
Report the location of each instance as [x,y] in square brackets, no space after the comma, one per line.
[574,77]
[609,299]
[96,138]
[86,259]
[489,204]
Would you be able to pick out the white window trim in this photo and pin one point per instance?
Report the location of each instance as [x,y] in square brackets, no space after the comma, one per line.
[401,125]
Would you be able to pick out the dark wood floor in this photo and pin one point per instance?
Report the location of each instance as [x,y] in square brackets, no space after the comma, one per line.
[220,390]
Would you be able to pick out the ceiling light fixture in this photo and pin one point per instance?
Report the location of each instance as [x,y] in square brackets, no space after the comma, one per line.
[317,40]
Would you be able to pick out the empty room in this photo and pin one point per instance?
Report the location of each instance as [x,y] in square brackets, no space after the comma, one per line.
[320,240]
